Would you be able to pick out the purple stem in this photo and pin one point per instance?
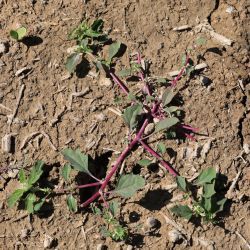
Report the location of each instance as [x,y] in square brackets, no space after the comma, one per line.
[158,157]
[177,78]
[118,163]
[119,82]
[89,185]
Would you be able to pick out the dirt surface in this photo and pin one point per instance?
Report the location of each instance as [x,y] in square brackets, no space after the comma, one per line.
[220,111]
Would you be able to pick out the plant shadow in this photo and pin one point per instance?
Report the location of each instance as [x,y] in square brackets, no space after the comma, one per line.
[30,41]
[98,167]
[155,199]
[83,68]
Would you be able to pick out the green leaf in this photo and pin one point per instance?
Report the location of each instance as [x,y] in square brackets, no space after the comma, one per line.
[182,211]
[144,162]
[97,25]
[207,204]
[166,123]
[113,50]
[15,197]
[29,202]
[66,172]
[181,183]
[72,61]
[208,189]
[221,204]
[171,109]
[183,60]
[18,34]
[125,72]
[161,80]
[95,209]
[131,97]
[129,184]
[201,40]
[161,148]
[21,176]
[36,172]
[39,204]
[76,159]
[206,176]
[72,203]
[114,208]
[131,115]
[167,96]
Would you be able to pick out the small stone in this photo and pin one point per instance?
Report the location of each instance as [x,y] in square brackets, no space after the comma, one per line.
[104,81]
[100,246]
[12,173]
[7,143]
[48,242]
[230,9]
[3,48]
[149,129]
[100,117]
[246,148]
[174,235]
[151,222]
[129,247]
[24,233]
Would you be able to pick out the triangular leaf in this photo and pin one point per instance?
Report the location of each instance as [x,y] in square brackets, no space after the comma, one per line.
[131,115]
[29,202]
[21,176]
[36,172]
[39,204]
[181,183]
[129,184]
[206,176]
[125,72]
[166,123]
[167,96]
[72,203]
[113,50]
[221,204]
[15,197]
[144,162]
[66,172]
[76,159]
[72,61]
[208,189]
[114,208]
[182,211]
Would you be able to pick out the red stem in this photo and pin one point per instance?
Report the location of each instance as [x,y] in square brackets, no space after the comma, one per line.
[177,78]
[119,82]
[89,185]
[158,157]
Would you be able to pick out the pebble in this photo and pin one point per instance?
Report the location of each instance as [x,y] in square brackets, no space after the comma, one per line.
[48,241]
[129,247]
[24,233]
[104,81]
[174,235]
[246,148]
[100,246]
[149,129]
[3,48]
[8,143]
[151,222]
[230,9]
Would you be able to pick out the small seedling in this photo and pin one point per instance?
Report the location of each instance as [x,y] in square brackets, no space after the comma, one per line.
[206,204]
[29,192]
[113,228]
[18,34]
